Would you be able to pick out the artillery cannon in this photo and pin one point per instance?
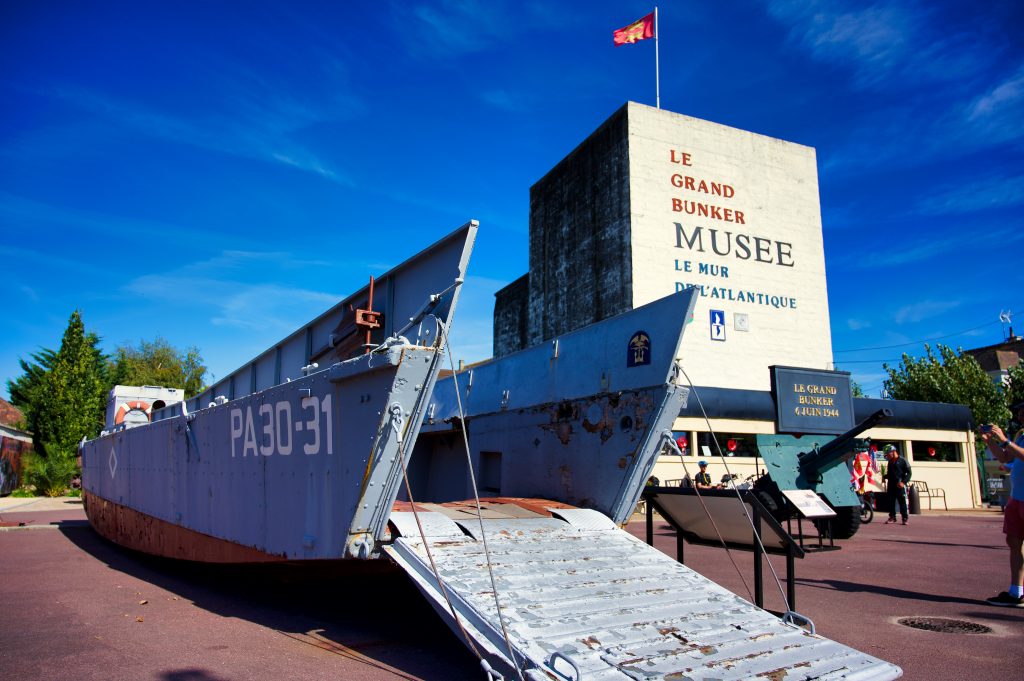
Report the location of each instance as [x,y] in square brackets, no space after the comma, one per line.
[813,462]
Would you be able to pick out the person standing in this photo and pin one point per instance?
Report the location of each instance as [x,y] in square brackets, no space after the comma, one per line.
[897,477]
[1011,452]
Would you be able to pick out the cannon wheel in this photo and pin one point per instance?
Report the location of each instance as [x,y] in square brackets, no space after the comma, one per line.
[845,524]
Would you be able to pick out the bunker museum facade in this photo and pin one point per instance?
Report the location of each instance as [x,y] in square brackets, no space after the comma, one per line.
[653,202]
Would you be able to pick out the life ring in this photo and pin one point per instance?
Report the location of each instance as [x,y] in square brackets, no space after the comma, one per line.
[137,405]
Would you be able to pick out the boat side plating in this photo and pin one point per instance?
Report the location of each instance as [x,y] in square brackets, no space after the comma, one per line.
[307,468]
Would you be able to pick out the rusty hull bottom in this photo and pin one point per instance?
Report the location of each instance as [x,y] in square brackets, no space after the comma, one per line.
[141,532]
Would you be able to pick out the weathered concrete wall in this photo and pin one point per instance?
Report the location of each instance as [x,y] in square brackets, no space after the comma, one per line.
[655,201]
[580,253]
[510,316]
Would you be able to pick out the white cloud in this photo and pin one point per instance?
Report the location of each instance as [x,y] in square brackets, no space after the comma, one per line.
[983,194]
[263,130]
[504,100]
[922,310]
[20,213]
[452,27]
[263,307]
[857,324]
[1007,94]
[881,40]
[219,286]
[933,246]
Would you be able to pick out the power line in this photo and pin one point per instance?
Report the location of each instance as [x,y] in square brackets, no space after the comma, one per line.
[923,340]
[865,361]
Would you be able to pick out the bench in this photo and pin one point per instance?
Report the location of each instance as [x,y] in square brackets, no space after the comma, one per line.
[924,492]
[674,482]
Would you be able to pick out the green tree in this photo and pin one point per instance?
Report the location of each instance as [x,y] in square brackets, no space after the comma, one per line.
[951,376]
[159,363]
[69,403]
[26,390]
[1014,388]
[856,390]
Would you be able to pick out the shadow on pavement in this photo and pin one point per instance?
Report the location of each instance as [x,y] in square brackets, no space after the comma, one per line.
[989,547]
[366,611]
[859,587]
[190,675]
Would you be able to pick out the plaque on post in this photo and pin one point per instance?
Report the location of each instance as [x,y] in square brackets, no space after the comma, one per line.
[812,401]
[808,503]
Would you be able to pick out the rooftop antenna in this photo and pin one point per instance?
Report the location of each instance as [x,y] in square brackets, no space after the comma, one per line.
[1006,318]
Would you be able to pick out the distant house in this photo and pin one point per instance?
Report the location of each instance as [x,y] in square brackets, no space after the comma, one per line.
[14,444]
[998,359]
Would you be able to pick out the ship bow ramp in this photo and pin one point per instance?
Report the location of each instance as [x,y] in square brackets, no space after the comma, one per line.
[580,598]
[298,454]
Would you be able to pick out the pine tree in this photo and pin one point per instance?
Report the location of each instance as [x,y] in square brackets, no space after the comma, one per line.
[71,402]
[26,390]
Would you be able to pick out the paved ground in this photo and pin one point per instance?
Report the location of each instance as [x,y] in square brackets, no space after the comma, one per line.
[71,604]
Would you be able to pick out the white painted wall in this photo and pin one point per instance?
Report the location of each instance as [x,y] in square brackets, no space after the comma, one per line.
[959,480]
[774,184]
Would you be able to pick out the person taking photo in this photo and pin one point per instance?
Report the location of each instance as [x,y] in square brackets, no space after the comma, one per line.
[1011,453]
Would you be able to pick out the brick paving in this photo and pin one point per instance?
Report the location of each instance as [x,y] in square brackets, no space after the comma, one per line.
[72,605]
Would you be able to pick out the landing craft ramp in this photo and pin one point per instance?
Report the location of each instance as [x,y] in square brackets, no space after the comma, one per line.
[583,599]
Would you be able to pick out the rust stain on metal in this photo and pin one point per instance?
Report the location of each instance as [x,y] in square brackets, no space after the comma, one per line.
[774,675]
[622,462]
[591,642]
[141,532]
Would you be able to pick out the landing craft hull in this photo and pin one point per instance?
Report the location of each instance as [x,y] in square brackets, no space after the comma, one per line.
[304,470]
[578,420]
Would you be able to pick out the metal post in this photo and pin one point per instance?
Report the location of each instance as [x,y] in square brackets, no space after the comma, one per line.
[680,542]
[650,522]
[657,71]
[758,565]
[791,576]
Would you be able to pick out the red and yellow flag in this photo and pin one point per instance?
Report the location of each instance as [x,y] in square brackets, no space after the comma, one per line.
[641,29]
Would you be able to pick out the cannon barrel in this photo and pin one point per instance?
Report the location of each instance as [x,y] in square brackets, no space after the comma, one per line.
[839,448]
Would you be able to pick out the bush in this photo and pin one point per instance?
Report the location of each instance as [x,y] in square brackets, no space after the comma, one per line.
[24,492]
[51,475]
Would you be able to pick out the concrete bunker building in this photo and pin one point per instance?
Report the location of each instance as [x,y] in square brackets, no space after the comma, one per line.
[653,202]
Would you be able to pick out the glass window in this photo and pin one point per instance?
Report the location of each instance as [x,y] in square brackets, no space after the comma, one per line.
[878,449]
[732,444]
[925,450]
[682,439]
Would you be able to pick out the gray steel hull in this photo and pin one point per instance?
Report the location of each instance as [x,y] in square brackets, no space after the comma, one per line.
[577,420]
[304,471]
[262,467]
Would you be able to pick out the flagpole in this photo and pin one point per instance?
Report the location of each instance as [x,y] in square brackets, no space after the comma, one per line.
[657,72]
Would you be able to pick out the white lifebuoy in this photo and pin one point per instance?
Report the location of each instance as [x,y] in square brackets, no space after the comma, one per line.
[135,405]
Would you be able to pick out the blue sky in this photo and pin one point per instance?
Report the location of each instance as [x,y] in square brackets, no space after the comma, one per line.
[218,173]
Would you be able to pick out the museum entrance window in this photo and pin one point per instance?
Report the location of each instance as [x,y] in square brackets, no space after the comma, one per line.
[945,452]
[732,444]
[682,438]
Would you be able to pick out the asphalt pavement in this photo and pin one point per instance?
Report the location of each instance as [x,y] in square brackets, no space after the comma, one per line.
[73,604]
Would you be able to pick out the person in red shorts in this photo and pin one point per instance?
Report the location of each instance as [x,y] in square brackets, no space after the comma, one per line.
[1011,453]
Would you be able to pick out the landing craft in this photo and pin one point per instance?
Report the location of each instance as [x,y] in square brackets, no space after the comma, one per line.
[518,474]
[296,455]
